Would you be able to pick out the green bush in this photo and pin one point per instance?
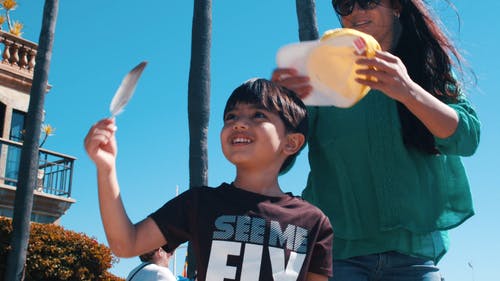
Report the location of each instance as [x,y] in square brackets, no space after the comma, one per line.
[58,254]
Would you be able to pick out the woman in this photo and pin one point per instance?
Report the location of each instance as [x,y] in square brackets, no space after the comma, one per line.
[387,171]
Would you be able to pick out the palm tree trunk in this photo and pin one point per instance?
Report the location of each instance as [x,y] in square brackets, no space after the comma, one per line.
[306,14]
[199,102]
[29,154]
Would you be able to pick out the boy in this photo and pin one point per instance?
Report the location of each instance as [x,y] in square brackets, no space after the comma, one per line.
[246,230]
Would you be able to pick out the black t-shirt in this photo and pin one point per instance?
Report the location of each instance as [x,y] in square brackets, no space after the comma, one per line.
[240,235]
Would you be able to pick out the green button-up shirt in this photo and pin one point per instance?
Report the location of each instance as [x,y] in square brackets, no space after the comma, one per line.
[379,194]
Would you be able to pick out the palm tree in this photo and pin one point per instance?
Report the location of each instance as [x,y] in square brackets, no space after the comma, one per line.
[306,15]
[199,102]
[29,154]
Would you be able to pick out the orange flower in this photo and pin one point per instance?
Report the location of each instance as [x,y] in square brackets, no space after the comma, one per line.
[9,4]
[16,29]
[47,131]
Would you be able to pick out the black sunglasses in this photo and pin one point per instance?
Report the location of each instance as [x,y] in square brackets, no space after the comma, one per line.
[345,7]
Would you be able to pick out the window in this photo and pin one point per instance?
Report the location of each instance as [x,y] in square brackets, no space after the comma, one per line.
[14,153]
[2,118]
[17,126]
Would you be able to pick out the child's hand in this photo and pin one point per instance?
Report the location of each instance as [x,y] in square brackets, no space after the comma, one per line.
[100,143]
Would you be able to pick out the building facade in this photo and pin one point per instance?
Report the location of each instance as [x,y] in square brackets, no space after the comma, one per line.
[52,193]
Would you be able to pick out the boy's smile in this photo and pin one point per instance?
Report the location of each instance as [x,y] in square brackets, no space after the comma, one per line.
[240,139]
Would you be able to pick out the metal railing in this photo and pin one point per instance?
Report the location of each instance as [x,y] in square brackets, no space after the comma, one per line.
[55,170]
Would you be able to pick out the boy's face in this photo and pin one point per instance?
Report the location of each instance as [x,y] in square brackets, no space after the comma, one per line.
[253,137]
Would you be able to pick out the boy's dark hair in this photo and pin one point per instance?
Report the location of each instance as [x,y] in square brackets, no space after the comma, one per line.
[148,257]
[277,99]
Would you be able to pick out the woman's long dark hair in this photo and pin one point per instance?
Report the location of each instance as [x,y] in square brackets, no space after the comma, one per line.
[427,53]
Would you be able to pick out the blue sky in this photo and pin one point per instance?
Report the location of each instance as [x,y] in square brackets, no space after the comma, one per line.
[96,43]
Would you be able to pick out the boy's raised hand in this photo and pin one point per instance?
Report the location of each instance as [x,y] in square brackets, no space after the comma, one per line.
[100,143]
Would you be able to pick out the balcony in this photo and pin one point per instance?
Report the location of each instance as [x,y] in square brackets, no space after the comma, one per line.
[18,61]
[52,193]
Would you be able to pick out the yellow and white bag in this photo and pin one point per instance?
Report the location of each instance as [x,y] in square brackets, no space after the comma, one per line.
[330,64]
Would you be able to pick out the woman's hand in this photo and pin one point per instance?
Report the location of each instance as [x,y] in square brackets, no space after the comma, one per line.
[100,143]
[386,73]
[389,75]
[290,78]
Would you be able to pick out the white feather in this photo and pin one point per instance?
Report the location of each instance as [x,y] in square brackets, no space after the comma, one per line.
[126,89]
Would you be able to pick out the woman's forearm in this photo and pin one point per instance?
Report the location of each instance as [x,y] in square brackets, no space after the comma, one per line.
[438,117]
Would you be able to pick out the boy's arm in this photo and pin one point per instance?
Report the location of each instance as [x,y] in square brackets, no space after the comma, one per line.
[316,277]
[125,239]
